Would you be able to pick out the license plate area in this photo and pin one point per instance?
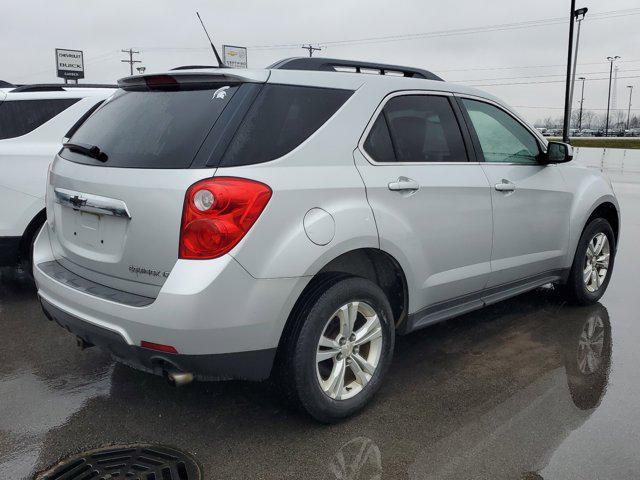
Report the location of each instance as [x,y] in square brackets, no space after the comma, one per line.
[87,228]
[90,236]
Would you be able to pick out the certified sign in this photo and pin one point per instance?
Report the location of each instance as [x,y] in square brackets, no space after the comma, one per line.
[234,57]
[69,63]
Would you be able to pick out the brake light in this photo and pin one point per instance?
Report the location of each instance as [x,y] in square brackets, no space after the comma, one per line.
[217,213]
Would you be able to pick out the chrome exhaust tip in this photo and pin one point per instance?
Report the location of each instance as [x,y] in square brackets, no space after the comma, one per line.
[178,379]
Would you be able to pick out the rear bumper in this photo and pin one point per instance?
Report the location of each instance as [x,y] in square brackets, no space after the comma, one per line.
[9,249]
[205,309]
[255,365]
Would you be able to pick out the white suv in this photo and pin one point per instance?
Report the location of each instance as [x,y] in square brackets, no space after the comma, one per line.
[220,223]
[33,121]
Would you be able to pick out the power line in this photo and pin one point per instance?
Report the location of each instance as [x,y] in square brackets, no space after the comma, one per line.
[562,108]
[462,80]
[131,61]
[478,69]
[541,82]
[437,33]
[453,32]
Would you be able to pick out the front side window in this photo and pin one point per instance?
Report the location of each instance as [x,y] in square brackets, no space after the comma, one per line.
[416,128]
[19,117]
[502,138]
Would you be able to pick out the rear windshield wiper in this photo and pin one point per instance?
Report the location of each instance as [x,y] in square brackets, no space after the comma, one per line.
[92,151]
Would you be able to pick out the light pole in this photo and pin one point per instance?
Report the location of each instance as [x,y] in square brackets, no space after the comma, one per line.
[630,87]
[581,103]
[567,90]
[610,60]
[579,15]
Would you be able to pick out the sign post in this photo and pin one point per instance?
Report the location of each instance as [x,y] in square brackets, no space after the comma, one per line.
[69,64]
[234,57]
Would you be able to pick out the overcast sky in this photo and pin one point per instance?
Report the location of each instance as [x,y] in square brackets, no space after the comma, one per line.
[168,34]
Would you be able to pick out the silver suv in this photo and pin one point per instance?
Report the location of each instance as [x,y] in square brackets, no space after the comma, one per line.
[290,222]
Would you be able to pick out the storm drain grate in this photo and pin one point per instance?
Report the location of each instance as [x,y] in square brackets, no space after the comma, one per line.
[127,462]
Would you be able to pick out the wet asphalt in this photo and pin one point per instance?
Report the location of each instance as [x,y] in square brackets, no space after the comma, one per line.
[512,391]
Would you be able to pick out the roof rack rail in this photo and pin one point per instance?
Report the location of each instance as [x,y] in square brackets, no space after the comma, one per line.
[58,87]
[339,65]
[193,67]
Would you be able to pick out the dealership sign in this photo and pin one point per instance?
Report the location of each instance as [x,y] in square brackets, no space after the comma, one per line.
[69,64]
[234,57]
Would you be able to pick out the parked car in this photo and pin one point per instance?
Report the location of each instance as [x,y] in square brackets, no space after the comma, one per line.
[33,121]
[290,222]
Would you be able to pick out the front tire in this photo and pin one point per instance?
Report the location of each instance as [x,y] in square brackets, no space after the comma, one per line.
[339,349]
[592,264]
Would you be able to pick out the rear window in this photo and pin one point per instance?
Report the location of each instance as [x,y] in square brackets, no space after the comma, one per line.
[280,119]
[152,128]
[82,119]
[19,117]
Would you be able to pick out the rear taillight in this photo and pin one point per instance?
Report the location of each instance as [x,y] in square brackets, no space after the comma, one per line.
[217,213]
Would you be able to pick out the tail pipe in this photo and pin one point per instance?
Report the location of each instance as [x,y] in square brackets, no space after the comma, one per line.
[178,379]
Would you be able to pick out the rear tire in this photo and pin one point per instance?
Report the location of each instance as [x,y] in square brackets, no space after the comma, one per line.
[592,264]
[26,255]
[328,342]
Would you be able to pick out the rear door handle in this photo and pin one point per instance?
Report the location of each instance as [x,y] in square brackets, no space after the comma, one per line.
[404,184]
[505,186]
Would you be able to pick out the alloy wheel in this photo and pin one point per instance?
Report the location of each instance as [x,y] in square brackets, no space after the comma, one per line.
[596,264]
[349,350]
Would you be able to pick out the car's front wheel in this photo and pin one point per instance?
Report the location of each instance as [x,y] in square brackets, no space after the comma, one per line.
[339,349]
[592,264]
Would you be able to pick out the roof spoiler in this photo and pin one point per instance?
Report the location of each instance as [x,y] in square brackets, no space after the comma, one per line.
[338,65]
[185,79]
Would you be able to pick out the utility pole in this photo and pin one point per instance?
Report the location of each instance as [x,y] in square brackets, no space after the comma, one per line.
[131,61]
[581,103]
[311,49]
[611,60]
[630,87]
[567,91]
[579,15]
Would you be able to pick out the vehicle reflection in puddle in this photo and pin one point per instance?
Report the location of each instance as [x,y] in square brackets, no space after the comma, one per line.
[358,459]
[518,435]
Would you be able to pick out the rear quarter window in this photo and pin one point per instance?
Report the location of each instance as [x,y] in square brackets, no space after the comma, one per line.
[280,119]
[19,117]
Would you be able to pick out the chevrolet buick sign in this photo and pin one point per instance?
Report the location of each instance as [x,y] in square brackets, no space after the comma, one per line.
[234,57]
[69,63]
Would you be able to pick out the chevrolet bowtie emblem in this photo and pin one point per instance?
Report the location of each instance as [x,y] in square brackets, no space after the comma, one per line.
[77,201]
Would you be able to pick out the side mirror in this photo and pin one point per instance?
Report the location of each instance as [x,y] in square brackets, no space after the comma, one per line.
[558,152]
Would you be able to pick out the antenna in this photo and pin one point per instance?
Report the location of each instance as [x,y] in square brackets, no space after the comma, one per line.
[215,52]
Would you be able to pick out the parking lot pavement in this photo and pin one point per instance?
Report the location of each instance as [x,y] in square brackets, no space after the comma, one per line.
[501,393]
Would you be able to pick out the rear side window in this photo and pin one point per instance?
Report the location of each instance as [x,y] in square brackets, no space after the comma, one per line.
[161,128]
[19,117]
[422,128]
[280,119]
[378,144]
